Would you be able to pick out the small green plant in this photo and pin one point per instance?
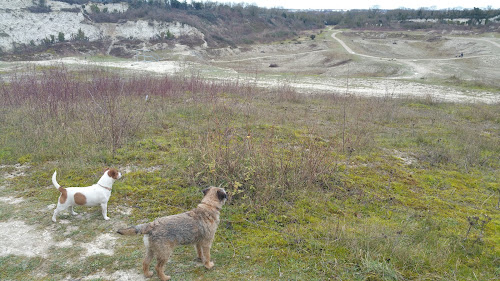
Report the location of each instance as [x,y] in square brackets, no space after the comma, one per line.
[95,9]
[79,36]
[379,270]
[40,7]
[46,41]
[60,37]
[169,34]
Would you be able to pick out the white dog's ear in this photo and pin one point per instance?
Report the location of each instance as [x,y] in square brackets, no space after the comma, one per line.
[113,173]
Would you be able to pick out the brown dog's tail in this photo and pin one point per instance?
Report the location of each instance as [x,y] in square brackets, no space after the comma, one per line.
[133,230]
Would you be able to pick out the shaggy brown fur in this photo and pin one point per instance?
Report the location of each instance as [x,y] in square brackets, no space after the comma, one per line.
[196,227]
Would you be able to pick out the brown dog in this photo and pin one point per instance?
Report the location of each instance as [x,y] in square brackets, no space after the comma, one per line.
[196,227]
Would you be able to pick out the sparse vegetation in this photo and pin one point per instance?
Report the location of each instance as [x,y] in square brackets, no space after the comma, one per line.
[40,6]
[79,36]
[234,25]
[71,10]
[222,24]
[224,20]
[394,205]
[60,37]
[28,51]
[95,9]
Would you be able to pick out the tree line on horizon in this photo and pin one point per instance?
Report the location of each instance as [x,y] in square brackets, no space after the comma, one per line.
[349,18]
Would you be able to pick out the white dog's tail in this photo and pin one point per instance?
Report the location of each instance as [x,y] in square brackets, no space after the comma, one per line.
[54,181]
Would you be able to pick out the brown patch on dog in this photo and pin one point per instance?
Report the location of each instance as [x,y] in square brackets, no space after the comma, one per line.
[80,199]
[113,173]
[64,195]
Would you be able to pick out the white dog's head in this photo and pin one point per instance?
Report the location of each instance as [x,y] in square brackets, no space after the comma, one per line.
[109,177]
[112,173]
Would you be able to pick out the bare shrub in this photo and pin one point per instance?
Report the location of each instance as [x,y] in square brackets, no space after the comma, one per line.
[110,112]
[285,92]
[93,106]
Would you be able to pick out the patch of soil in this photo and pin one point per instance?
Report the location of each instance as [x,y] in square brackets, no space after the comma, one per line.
[11,200]
[120,275]
[18,238]
[103,244]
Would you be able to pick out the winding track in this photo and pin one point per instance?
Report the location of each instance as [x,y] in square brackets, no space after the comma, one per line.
[409,62]
[394,86]
[412,63]
[271,56]
[350,51]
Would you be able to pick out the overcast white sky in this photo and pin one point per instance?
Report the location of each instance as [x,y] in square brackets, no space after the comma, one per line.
[366,4]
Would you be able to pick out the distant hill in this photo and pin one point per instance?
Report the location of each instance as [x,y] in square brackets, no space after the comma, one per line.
[38,29]
[28,27]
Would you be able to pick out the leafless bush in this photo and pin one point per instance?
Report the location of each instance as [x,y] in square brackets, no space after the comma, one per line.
[285,92]
[479,224]
[99,106]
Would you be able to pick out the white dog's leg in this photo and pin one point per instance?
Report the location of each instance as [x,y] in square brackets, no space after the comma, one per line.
[73,211]
[58,209]
[104,207]
[54,216]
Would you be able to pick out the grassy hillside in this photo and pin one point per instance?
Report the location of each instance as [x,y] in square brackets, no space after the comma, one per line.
[321,187]
[222,24]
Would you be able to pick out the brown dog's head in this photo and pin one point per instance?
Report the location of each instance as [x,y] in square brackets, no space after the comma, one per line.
[215,196]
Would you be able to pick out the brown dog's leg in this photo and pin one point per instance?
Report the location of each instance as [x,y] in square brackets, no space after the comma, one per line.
[206,256]
[146,262]
[160,267]
[199,252]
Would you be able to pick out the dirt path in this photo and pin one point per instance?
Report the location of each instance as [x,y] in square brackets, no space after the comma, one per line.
[418,70]
[271,56]
[407,80]
[350,51]
[423,67]
[483,40]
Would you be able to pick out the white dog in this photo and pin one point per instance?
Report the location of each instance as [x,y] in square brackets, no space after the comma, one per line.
[97,194]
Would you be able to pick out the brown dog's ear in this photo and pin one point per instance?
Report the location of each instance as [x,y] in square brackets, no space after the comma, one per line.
[107,168]
[205,190]
[112,173]
[221,194]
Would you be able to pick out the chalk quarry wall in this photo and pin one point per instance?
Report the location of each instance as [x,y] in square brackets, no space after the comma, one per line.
[19,25]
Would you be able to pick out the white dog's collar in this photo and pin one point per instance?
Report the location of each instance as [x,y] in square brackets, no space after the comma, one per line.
[108,188]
